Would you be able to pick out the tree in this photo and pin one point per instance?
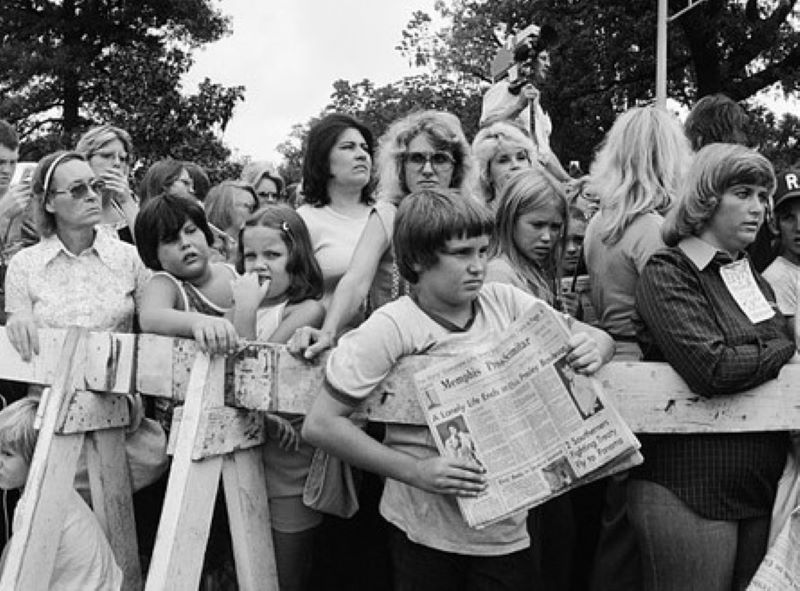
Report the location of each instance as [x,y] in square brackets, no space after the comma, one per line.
[377,107]
[68,64]
[605,61]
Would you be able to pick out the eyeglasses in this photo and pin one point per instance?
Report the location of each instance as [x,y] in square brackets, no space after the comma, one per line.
[82,189]
[438,160]
[268,196]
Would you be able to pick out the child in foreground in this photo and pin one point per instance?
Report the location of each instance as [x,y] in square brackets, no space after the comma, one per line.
[280,292]
[441,241]
[84,559]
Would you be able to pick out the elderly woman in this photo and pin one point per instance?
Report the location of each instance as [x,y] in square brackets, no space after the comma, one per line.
[77,276]
[109,151]
[500,149]
[228,205]
[701,504]
[265,180]
[420,151]
[169,177]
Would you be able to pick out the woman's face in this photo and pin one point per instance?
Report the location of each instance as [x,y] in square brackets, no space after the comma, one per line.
[267,191]
[111,155]
[349,160]
[536,233]
[426,167]
[737,219]
[183,186]
[71,198]
[505,162]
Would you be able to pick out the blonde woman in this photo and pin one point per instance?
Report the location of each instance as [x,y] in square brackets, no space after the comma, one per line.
[500,149]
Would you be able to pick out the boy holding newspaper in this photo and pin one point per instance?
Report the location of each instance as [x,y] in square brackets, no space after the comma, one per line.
[440,244]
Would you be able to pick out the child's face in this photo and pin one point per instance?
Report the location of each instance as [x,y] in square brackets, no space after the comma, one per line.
[13,469]
[186,257]
[536,233]
[789,228]
[266,255]
[572,249]
[453,282]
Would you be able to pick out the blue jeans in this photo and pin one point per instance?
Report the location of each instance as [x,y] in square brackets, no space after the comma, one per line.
[419,568]
[682,551]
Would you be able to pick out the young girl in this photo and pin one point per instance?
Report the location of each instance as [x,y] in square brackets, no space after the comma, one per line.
[279,293]
[528,244]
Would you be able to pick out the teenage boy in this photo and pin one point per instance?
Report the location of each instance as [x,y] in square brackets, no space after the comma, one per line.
[440,244]
[784,272]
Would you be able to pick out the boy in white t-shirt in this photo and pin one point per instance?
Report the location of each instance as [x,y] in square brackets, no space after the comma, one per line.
[784,272]
[440,244]
[84,559]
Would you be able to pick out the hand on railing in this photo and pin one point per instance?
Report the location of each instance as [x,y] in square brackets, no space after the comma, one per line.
[23,335]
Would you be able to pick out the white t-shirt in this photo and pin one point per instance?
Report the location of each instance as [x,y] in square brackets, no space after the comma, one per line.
[784,277]
[84,559]
[366,355]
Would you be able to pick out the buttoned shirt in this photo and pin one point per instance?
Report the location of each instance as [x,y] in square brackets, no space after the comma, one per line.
[688,317]
[96,289]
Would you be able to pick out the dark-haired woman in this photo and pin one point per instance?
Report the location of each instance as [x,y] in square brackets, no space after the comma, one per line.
[337,168]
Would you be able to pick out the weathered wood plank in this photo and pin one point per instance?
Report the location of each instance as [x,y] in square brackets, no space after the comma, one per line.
[33,547]
[108,360]
[191,490]
[88,411]
[222,430]
[650,396]
[248,514]
[110,484]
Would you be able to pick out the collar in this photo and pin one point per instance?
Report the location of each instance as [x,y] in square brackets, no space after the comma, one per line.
[103,246]
[447,324]
[701,253]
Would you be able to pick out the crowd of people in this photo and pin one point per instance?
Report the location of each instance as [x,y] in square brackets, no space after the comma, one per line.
[416,243]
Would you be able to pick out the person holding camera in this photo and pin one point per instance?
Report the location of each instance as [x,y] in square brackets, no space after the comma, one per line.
[516,96]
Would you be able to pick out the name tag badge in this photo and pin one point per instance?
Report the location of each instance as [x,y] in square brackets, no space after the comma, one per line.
[741,284]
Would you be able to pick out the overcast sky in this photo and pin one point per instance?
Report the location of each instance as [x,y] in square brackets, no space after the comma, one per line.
[288,53]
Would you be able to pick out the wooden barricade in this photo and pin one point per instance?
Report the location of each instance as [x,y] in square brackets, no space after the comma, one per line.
[219,431]
[74,364]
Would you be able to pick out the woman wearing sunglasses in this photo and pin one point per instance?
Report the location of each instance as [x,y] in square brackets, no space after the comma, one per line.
[78,275]
[425,150]
[75,275]
[108,151]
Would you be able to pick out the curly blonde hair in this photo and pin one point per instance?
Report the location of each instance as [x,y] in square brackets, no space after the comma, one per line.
[489,142]
[444,132]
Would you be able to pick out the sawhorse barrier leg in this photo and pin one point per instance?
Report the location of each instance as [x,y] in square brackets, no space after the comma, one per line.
[210,442]
[67,415]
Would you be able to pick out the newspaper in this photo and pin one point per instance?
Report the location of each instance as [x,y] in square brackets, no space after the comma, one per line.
[780,569]
[515,406]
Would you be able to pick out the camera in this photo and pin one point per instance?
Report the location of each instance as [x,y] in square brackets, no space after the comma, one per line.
[517,58]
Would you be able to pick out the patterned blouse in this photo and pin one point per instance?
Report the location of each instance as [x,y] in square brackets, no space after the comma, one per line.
[97,289]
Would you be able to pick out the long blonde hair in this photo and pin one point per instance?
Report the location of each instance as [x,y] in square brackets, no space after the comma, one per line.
[638,169]
[523,192]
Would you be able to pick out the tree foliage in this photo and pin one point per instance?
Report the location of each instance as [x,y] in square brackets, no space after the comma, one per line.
[603,64]
[68,64]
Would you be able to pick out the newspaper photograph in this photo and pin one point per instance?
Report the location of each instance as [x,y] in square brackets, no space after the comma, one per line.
[516,407]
